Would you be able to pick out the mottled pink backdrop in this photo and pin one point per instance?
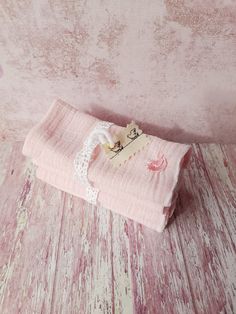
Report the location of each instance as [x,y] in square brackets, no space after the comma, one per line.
[170,65]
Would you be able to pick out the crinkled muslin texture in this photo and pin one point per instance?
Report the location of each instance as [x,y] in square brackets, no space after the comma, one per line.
[135,190]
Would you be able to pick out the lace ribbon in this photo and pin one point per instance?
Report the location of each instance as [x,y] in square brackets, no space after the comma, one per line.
[83,157]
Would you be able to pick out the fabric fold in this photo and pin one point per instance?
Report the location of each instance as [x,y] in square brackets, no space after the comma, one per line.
[132,190]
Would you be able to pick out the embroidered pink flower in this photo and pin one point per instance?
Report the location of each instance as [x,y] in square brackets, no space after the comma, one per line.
[157,165]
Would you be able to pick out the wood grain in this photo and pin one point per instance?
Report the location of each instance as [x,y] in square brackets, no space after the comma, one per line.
[30,227]
[62,255]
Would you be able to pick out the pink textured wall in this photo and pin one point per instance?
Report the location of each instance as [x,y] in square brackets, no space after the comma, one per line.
[169,64]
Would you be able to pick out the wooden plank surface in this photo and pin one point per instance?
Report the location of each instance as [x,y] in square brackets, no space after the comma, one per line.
[30,222]
[62,255]
[206,239]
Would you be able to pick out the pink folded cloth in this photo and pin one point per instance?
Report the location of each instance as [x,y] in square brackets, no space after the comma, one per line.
[144,189]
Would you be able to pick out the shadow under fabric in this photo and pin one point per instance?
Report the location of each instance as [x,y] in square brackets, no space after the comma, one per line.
[133,190]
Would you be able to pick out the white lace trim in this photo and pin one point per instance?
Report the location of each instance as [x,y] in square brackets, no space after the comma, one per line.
[83,157]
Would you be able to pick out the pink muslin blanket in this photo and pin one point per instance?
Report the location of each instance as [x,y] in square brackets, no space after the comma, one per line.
[143,189]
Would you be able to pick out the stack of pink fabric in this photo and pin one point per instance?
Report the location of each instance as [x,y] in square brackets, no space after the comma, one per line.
[143,189]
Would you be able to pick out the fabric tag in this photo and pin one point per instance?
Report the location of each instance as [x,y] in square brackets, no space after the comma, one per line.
[127,143]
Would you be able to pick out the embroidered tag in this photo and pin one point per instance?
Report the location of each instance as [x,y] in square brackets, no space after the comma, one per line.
[127,143]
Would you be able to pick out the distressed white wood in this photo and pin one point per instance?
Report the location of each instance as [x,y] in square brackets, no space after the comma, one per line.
[30,219]
[61,255]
